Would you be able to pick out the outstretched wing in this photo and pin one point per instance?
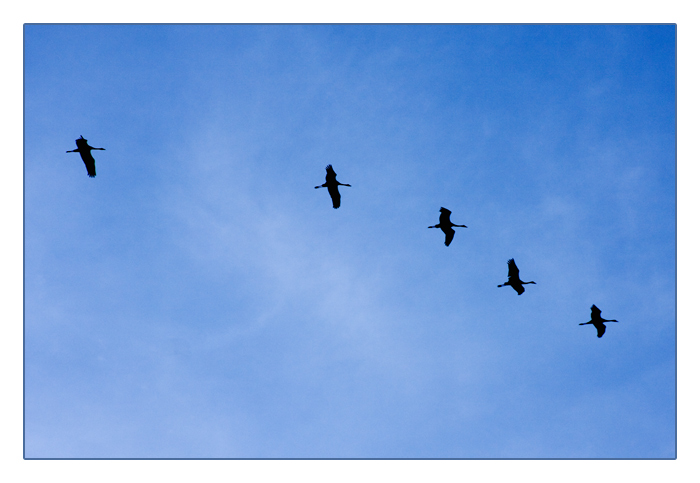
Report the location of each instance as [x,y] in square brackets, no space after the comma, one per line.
[89,163]
[330,175]
[513,272]
[595,314]
[445,217]
[601,329]
[449,234]
[335,195]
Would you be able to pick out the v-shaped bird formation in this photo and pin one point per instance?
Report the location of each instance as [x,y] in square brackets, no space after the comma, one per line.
[332,184]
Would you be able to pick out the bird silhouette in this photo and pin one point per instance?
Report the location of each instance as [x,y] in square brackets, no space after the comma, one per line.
[332,185]
[446,226]
[514,278]
[597,320]
[84,150]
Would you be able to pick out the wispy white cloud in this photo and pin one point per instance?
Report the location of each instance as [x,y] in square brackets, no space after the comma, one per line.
[200,298]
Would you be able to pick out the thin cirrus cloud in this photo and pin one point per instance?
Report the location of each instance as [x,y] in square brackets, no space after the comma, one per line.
[199,298]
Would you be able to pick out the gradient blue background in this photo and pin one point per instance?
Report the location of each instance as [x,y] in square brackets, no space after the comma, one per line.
[199,298]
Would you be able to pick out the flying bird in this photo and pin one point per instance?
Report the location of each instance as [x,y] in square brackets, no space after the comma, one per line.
[446,226]
[332,185]
[84,150]
[597,321]
[514,278]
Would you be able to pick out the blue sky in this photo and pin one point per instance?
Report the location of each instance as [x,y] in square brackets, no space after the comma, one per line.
[199,298]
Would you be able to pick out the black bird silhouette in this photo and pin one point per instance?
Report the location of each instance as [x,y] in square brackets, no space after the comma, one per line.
[514,278]
[332,185]
[84,150]
[446,226]
[597,320]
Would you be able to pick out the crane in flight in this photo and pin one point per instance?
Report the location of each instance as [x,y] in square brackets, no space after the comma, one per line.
[84,150]
[597,321]
[332,185]
[446,226]
[514,278]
